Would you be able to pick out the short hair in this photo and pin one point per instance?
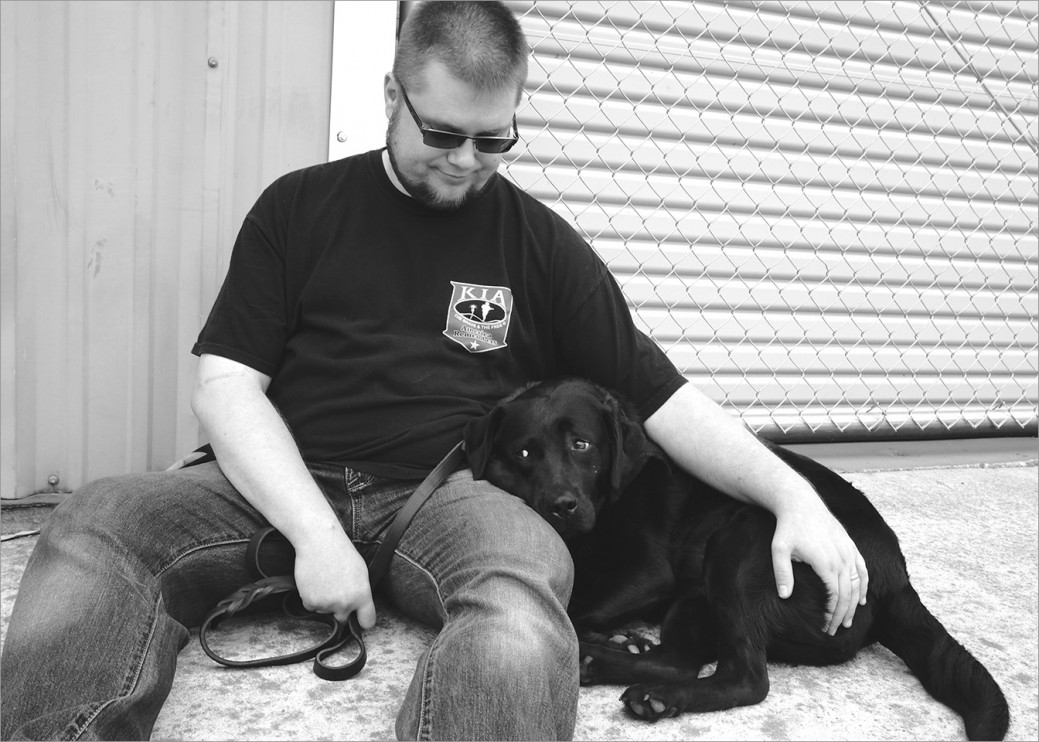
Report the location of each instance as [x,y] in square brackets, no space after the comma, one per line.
[480,43]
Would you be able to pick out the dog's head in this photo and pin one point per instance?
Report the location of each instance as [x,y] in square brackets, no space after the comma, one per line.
[565,447]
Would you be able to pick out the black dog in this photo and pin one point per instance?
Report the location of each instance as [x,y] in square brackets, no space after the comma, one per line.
[647,539]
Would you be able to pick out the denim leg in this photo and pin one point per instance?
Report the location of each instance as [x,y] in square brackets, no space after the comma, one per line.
[127,565]
[120,572]
[496,579]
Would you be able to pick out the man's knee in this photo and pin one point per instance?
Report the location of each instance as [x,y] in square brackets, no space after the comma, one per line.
[137,502]
[558,567]
[517,610]
[538,556]
[525,644]
[118,518]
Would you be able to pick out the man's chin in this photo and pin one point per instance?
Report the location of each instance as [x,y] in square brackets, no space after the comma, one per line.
[443,199]
[439,198]
[448,201]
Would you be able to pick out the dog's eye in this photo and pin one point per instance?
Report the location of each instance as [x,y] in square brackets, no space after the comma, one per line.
[523,453]
[581,445]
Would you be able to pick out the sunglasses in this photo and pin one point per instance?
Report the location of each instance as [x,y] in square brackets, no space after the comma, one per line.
[451,140]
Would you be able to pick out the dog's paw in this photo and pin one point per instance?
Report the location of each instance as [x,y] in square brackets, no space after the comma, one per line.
[631,641]
[599,662]
[612,658]
[595,662]
[649,703]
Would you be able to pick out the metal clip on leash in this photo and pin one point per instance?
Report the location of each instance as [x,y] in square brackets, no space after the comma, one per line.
[341,634]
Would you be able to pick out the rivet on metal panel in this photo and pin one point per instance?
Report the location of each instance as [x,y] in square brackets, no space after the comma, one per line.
[53,480]
[213,62]
[341,137]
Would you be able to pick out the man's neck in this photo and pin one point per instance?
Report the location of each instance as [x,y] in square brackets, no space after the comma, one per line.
[390,172]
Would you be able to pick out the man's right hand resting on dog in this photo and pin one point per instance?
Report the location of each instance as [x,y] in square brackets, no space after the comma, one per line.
[713,445]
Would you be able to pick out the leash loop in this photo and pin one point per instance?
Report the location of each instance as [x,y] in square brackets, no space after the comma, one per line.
[342,634]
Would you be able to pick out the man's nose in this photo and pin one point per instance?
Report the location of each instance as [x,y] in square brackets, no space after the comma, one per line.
[463,156]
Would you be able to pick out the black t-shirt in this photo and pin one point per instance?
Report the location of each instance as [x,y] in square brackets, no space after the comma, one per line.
[385,325]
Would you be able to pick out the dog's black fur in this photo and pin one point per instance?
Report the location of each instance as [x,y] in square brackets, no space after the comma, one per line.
[647,538]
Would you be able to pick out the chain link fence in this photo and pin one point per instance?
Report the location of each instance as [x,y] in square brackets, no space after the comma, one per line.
[825,212]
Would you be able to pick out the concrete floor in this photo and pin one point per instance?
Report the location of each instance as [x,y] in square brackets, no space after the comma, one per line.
[967,514]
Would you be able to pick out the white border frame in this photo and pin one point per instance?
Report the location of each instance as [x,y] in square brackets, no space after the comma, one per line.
[364,38]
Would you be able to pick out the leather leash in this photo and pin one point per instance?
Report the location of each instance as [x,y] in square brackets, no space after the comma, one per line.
[341,633]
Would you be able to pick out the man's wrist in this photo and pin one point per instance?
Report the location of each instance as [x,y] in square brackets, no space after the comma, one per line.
[796,498]
[320,532]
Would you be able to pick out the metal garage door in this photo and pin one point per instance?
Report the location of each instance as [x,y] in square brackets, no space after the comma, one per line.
[825,212]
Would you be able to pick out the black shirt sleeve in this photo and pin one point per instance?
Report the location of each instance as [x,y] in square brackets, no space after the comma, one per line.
[249,321]
[595,335]
[601,342]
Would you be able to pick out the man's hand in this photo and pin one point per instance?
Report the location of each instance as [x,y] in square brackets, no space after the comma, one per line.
[711,444]
[818,539]
[333,578]
[259,457]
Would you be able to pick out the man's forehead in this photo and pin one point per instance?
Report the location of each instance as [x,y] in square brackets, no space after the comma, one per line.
[449,103]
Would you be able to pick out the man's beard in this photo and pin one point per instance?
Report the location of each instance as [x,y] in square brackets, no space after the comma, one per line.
[423,192]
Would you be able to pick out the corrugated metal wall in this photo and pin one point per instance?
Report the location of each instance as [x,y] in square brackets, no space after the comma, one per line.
[135,136]
[825,212]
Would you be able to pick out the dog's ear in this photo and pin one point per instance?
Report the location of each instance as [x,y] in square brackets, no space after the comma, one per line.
[479,440]
[631,447]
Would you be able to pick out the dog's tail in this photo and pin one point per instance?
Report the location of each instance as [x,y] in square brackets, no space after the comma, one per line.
[947,670]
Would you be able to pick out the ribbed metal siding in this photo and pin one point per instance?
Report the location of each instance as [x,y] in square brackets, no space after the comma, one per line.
[136,135]
[825,212]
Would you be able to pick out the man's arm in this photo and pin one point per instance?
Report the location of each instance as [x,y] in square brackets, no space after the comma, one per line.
[707,441]
[257,454]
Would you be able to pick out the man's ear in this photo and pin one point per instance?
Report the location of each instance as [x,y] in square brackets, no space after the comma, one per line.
[630,444]
[390,92]
[479,440]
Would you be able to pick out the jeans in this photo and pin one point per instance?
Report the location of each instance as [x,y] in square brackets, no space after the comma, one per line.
[126,566]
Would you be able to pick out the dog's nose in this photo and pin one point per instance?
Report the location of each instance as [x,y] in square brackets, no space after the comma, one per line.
[564,506]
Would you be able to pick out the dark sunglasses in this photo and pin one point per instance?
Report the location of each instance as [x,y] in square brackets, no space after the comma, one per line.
[452,140]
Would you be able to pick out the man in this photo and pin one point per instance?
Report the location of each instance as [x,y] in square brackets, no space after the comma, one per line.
[372,306]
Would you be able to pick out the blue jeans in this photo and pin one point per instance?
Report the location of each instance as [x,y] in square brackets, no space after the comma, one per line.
[128,565]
